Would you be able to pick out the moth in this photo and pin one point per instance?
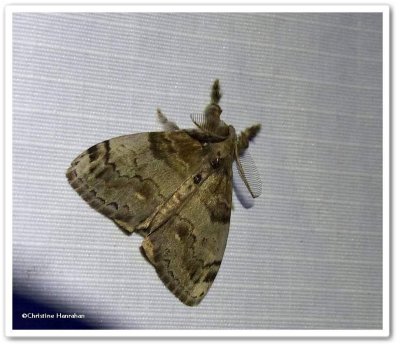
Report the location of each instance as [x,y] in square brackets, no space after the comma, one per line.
[175,189]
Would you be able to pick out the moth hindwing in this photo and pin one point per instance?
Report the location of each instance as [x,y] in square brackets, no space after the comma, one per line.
[174,188]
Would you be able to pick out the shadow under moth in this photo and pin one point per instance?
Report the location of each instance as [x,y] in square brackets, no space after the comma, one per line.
[175,189]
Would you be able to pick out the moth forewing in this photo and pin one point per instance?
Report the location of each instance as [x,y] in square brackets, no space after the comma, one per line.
[187,249]
[174,188]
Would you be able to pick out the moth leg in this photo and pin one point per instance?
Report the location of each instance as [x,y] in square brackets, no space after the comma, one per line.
[167,124]
[247,135]
[215,92]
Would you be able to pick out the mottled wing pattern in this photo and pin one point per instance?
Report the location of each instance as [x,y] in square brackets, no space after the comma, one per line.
[175,189]
[187,250]
[126,178]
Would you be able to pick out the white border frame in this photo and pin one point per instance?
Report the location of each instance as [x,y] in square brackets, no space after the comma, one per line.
[384,332]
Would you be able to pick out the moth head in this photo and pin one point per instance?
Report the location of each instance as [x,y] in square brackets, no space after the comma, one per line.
[213,111]
[210,122]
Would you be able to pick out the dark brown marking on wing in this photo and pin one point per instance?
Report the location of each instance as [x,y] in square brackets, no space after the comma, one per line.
[197,179]
[210,276]
[71,175]
[214,263]
[212,272]
[160,145]
[113,205]
[107,151]
[93,153]
[177,150]
[195,270]
[218,201]
[215,163]
[182,231]
[105,173]
[220,212]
